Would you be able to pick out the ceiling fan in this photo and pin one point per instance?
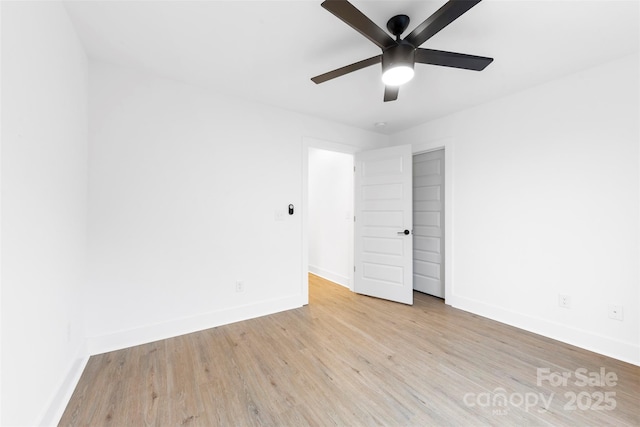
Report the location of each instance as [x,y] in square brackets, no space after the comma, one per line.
[400,55]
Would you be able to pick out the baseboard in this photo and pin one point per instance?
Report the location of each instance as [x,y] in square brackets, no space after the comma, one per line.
[173,328]
[60,400]
[624,351]
[331,276]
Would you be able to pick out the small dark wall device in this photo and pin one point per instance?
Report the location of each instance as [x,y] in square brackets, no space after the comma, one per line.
[290,209]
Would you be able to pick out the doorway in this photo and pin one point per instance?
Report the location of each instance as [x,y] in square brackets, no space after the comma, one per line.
[330,217]
[309,144]
[418,148]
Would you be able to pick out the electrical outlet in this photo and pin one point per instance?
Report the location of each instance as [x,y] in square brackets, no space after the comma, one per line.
[615,312]
[564,301]
[279,215]
[239,286]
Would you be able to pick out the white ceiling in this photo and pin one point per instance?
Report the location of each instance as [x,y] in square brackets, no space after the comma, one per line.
[267,51]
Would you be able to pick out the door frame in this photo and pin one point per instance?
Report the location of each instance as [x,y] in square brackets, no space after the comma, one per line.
[447,145]
[416,148]
[307,143]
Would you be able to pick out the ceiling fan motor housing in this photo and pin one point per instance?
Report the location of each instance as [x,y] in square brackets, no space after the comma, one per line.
[402,54]
[398,64]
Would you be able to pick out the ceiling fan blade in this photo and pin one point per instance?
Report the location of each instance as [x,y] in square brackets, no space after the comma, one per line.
[451,59]
[346,69]
[444,16]
[391,93]
[351,16]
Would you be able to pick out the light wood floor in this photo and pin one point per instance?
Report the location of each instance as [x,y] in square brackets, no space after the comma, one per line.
[347,359]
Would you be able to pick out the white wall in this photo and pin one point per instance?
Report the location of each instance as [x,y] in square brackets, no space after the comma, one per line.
[546,201]
[184,190]
[44,201]
[331,215]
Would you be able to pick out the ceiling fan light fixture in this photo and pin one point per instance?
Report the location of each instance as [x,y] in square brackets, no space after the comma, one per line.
[397,64]
[397,75]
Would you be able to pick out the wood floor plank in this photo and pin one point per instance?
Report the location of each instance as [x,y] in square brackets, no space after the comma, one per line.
[347,359]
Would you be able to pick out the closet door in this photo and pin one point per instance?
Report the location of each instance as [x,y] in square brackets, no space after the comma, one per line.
[428,223]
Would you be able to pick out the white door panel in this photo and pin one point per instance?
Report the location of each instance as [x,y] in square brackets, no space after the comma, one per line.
[383,205]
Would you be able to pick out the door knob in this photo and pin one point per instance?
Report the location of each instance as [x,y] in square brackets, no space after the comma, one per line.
[405,232]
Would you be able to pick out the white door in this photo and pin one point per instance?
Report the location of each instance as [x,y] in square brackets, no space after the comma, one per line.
[383,223]
[428,235]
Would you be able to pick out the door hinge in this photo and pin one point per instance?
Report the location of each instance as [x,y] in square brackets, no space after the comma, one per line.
[354,268]
[354,218]
[354,169]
